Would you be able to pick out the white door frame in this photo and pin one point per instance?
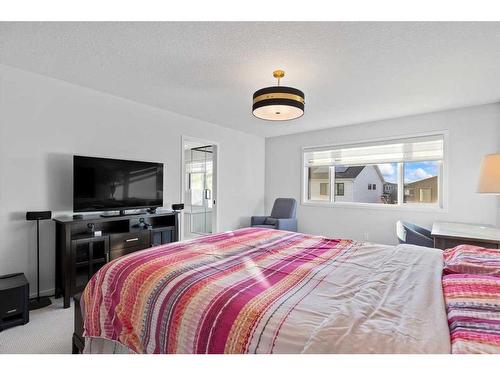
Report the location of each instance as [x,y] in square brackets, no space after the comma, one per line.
[215,179]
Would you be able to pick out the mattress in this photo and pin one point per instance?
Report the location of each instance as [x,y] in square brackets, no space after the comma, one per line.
[258,290]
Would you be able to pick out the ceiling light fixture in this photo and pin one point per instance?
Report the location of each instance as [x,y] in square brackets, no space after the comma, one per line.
[278,103]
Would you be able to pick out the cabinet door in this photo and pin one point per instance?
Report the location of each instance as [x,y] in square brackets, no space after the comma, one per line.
[161,236]
[100,249]
[156,238]
[166,236]
[99,254]
[88,256]
[80,264]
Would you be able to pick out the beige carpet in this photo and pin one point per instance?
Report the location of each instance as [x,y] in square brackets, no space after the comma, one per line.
[48,331]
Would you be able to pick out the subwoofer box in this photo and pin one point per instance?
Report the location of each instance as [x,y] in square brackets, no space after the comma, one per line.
[14,300]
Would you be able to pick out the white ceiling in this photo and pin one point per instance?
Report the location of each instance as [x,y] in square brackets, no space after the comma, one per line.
[350,72]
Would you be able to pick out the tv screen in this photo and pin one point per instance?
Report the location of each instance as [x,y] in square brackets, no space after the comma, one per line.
[109,184]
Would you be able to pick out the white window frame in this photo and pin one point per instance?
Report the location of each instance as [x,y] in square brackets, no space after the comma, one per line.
[440,206]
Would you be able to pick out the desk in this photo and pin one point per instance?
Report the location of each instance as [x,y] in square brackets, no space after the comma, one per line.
[447,235]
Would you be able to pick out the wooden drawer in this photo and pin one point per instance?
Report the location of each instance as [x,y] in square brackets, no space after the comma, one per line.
[444,243]
[125,241]
[113,254]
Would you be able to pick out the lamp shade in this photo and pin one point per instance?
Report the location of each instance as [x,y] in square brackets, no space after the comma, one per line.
[278,103]
[489,176]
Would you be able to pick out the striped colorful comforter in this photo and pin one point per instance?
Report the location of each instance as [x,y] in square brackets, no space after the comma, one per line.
[265,291]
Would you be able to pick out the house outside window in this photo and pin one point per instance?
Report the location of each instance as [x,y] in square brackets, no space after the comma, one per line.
[424,188]
[318,177]
[323,188]
[409,172]
[339,189]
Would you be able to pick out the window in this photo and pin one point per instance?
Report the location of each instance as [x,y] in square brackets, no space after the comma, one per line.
[426,195]
[408,172]
[339,188]
[355,183]
[421,181]
[323,188]
[196,186]
[318,187]
[389,188]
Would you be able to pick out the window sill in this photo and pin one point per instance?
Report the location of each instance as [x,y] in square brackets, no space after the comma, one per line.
[379,206]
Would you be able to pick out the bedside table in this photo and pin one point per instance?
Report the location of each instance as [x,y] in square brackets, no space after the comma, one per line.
[447,235]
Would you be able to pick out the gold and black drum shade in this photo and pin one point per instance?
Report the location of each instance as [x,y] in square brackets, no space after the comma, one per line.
[278,103]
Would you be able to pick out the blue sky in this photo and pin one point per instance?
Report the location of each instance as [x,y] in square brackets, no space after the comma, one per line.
[413,171]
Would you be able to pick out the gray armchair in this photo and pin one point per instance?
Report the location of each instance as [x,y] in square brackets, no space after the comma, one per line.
[413,234]
[282,216]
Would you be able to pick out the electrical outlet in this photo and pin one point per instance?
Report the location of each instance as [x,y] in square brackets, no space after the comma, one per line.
[366,236]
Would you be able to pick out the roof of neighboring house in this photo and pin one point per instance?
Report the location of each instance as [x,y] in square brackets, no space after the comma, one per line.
[432,180]
[344,172]
[349,172]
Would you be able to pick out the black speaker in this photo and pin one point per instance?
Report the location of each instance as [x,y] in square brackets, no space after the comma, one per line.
[178,206]
[14,300]
[39,301]
[38,215]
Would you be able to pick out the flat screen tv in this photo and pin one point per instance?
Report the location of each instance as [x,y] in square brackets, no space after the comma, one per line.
[101,184]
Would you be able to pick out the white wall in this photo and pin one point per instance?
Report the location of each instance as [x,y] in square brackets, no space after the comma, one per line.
[45,121]
[473,132]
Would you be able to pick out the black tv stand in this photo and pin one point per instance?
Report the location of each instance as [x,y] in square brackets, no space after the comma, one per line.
[79,254]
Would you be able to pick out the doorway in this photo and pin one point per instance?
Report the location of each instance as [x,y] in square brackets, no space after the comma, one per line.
[199,187]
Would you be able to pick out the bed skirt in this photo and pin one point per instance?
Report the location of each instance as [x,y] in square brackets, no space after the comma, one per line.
[99,345]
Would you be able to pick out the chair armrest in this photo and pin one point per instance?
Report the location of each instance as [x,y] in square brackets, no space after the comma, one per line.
[257,220]
[287,224]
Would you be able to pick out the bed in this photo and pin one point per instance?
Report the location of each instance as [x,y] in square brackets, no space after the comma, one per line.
[257,290]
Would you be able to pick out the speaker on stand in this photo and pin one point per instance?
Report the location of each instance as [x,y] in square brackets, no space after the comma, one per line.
[178,207]
[38,302]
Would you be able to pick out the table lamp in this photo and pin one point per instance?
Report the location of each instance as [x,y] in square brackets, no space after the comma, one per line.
[489,175]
